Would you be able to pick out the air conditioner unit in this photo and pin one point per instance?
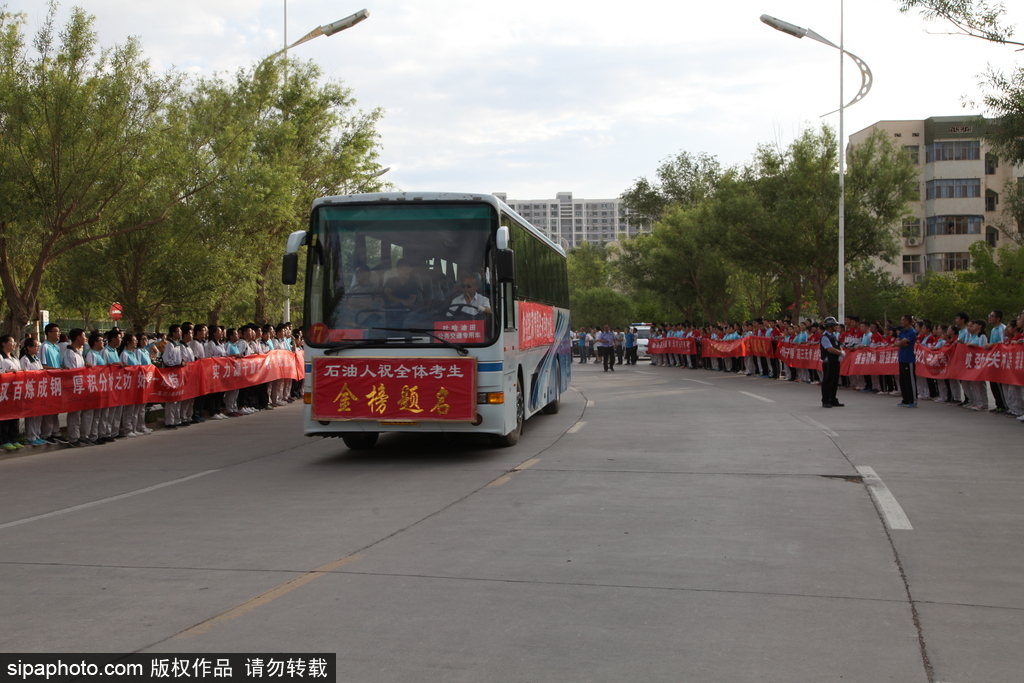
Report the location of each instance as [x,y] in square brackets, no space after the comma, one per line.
[917,277]
[913,241]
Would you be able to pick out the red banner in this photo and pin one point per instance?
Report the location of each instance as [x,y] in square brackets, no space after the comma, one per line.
[871,361]
[399,389]
[760,346]
[1003,363]
[686,346]
[933,363]
[737,348]
[536,325]
[51,392]
[806,356]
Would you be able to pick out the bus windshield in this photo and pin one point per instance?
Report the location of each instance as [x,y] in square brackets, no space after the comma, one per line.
[415,273]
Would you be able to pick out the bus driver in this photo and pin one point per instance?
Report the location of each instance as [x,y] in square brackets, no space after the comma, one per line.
[467,300]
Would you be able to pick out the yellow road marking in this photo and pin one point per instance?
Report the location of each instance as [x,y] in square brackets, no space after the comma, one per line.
[265,598]
[505,478]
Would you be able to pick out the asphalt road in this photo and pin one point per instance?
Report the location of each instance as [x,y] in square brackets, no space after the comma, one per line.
[666,525]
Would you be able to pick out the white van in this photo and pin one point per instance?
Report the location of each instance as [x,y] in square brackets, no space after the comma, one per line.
[643,333]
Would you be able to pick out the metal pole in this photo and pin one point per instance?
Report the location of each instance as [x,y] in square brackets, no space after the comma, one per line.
[287,313]
[842,177]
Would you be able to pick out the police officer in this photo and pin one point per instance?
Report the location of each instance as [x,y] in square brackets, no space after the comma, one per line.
[831,358]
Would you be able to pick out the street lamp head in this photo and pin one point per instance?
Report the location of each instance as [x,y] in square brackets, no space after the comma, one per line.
[784,26]
[347,22]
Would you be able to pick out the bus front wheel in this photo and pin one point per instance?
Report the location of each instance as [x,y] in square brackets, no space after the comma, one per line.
[512,438]
[360,441]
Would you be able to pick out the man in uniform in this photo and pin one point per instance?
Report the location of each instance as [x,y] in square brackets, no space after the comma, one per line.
[831,357]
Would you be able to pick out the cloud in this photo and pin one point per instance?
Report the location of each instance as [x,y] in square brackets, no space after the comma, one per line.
[537,96]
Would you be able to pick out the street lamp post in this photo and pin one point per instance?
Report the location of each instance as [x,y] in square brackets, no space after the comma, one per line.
[865,86]
[325,30]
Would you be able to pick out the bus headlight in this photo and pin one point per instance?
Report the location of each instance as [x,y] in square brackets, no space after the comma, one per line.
[490,397]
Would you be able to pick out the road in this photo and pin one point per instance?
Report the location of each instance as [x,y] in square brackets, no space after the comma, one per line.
[666,525]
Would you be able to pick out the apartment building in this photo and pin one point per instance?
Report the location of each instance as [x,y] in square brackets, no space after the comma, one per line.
[571,221]
[961,181]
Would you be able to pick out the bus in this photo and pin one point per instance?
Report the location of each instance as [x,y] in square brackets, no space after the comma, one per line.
[429,312]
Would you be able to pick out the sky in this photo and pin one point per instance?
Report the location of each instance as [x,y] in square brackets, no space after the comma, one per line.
[537,97]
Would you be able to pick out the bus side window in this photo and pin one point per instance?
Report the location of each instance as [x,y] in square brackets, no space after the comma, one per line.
[508,301]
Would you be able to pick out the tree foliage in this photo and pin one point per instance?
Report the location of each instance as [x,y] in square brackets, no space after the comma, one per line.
[588,267]
[600,306]
[169,194]
[683,180]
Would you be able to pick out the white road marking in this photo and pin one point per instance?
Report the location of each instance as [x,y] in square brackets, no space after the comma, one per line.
[576,427]
[590,403]
[697,381]
[759,398]
[815,423]
[891,510]
[111,499]
[643,372]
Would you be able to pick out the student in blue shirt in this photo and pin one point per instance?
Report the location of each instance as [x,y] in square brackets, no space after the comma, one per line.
[49,428]
[907,360]
[996,336]
[978,392]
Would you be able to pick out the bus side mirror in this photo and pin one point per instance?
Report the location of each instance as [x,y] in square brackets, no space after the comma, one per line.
[290,269]
[505,265]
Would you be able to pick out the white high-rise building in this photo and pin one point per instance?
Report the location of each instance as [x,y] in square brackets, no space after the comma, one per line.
[571,221]
[961,179]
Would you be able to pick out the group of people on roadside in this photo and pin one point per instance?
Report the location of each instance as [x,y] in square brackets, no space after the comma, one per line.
[181,344]
[854,334]
[606,345]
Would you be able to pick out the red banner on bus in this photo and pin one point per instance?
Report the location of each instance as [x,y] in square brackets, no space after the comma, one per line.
[382,389]
[536,325]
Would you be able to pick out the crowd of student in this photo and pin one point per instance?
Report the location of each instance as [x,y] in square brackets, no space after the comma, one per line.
[588,343]
[856,334]
[180,345]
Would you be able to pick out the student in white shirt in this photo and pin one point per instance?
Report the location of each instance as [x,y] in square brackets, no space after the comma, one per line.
[9,363]
[79,422]
[30,361]
[172,358]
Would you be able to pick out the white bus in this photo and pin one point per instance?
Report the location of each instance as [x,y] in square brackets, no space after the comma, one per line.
[429,312]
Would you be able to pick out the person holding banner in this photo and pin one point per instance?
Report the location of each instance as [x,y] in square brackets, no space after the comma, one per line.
[9,363]
[79,422]
[50,429]
[831,359]
[977,338]
[906,358]
[995,336]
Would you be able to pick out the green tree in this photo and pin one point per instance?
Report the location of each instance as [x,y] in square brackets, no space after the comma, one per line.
[588,267]
[682,260]
[783,210]
[682,181]
[85,135]
[600,306]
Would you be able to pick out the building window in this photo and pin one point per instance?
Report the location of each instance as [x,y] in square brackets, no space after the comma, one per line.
[954,150]
[944,263]
[912,227]
[991,200]
[991,163]
[953,188]
[955,225]
[914,152]
[911,264]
